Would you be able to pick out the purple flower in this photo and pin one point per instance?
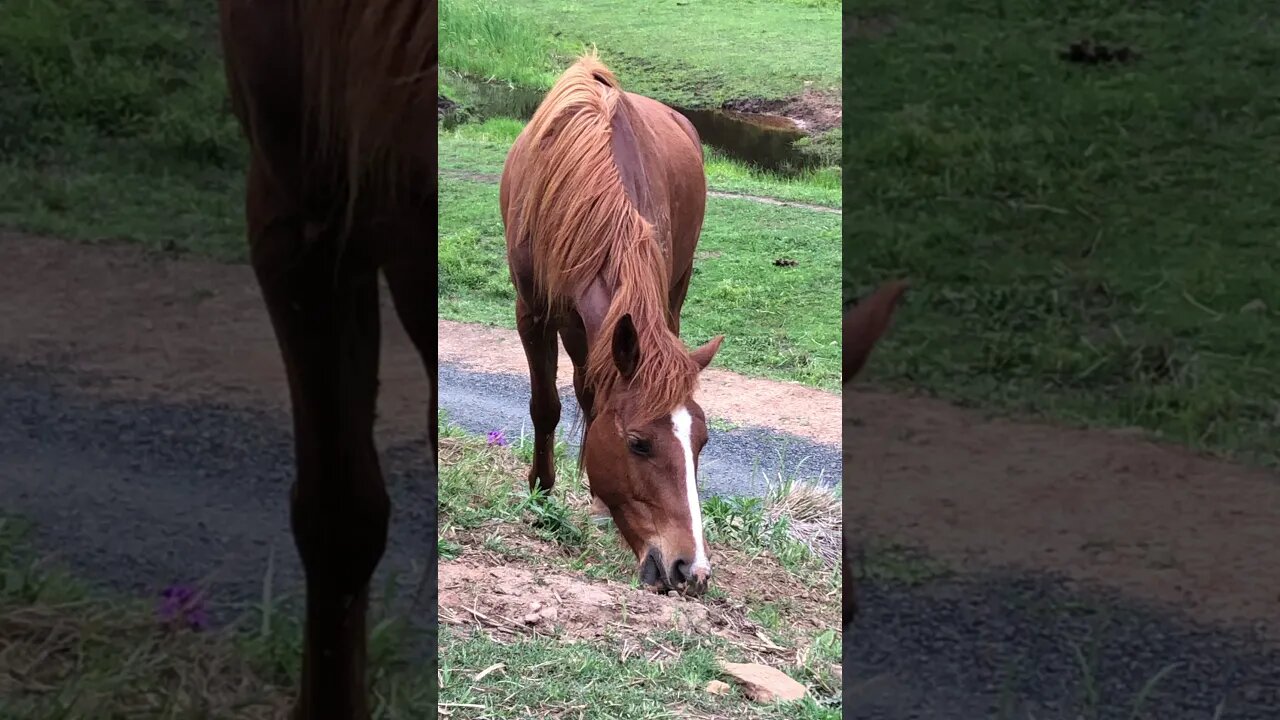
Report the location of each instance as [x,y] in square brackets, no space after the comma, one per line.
[496,437]
[182,605]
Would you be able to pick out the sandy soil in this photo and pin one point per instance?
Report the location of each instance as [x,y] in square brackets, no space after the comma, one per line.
[1157,523]
[157,327]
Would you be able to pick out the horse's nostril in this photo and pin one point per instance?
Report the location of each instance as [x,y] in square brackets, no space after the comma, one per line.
[680,572]
[650,570]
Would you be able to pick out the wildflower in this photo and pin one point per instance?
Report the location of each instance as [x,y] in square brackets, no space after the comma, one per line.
[183,605]
[496,437]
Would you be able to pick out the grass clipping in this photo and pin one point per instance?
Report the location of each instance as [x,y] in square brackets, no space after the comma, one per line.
[68,660]
[812,515]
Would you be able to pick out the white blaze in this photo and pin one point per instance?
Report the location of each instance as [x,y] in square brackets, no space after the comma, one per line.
[683,424]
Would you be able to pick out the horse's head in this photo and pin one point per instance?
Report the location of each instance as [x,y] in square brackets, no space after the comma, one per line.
[644,470]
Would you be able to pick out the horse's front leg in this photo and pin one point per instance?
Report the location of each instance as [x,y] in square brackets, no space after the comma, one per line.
[326,324]
[539,340]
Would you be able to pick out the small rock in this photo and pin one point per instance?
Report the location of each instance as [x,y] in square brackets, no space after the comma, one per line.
[1253,306]
[715,687]
[837,671]
[763,683]
[540,614]
[672,593]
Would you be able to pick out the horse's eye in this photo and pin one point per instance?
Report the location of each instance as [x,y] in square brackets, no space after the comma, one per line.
[638,446]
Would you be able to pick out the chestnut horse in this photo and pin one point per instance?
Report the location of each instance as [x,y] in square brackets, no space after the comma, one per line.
[602,198]
[864,323]
[336,99]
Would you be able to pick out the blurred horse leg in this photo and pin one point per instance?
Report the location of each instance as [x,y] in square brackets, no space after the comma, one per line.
[325,316]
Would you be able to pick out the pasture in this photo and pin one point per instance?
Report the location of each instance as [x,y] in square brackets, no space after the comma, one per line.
[541,613]
[1081,390]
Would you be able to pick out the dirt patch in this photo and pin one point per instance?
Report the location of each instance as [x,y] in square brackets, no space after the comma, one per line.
[783,406]
[1159,524]
[152,326]
[507,598]
[510,598]
[813,111]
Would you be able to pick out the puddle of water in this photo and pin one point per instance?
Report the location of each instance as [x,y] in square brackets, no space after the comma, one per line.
[765,141]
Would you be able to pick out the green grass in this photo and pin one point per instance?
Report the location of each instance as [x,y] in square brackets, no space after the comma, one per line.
[487,40]
[710,50]
[778,322]
[1090,243]
[481,148]
[114,124]
[486,511]
[483,484]
[545,678]
[70,651]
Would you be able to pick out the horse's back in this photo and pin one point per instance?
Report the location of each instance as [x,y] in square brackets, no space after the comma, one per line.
[676,152]
[674,137]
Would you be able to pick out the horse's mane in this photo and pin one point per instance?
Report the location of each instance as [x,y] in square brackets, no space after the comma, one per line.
[369,68]
[583,225]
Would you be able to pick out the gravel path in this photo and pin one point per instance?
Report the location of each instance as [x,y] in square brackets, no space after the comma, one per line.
[737,461]
[1005,646]
[139,495]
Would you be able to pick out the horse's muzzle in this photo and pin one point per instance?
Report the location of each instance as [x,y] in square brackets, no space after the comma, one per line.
[680,575]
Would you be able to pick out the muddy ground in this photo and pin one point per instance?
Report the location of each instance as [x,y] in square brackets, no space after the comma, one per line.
[145,430]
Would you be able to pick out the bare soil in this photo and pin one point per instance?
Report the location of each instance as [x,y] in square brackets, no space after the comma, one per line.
[1162,525]
[510,598]
[153,326]
[813,111]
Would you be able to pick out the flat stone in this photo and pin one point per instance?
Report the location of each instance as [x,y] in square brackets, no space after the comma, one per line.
[763,683]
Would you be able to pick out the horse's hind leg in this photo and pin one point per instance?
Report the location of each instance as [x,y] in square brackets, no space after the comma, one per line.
[675,299]
[326,324]
[539,339]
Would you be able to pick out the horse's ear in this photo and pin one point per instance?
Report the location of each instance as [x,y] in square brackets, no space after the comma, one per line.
[703,355]
[865,322]
[626,347]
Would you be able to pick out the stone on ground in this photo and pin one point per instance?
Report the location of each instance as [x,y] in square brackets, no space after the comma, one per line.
[763,683]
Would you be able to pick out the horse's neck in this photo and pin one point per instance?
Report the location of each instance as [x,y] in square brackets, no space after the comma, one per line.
[593,304]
